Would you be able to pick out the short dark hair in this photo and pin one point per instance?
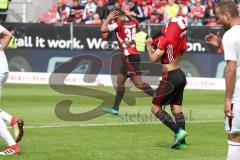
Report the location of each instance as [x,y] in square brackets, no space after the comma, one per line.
[10,29]
[228,6]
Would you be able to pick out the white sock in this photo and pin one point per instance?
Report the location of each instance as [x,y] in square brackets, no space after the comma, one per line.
[233,150]
[5,116]
[5,134]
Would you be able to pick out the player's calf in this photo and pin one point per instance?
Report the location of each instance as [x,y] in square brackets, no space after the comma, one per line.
[165,118]
[146,88]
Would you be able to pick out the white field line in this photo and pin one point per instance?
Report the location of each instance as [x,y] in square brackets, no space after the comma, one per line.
[107,124]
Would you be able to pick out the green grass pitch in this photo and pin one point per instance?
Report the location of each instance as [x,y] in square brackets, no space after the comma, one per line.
[134,135]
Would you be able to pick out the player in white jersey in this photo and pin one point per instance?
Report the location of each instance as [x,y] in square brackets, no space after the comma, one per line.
[16,123]
[227,14]
[3,60]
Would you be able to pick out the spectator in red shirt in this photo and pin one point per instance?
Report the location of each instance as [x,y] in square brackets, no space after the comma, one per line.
[197,14]
[76,12]
[158,7]
[198,10]
[147,9]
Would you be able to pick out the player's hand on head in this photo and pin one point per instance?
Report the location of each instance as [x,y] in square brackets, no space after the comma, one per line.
[149,41]
[213,39]
[228,109]
[113,14]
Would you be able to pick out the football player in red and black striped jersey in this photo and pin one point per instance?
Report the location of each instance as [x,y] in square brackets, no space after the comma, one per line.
[169,47]
[125,28]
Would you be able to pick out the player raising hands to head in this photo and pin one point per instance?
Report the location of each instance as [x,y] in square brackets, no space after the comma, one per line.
[125,28]
[170,46]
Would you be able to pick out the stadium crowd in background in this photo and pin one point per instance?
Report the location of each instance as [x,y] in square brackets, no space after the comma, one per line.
[197,12]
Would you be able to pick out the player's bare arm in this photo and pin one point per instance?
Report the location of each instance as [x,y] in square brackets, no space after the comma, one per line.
[111,16]
[230,84]
[6,38]
[153,56]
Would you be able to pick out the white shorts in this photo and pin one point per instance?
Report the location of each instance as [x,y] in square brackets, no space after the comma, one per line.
[232,125]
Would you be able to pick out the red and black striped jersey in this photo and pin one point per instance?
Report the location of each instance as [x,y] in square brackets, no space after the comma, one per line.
[173,39]
[126,33]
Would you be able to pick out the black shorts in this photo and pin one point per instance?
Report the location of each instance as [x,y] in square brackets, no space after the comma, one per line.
[130,65]
[170,89]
